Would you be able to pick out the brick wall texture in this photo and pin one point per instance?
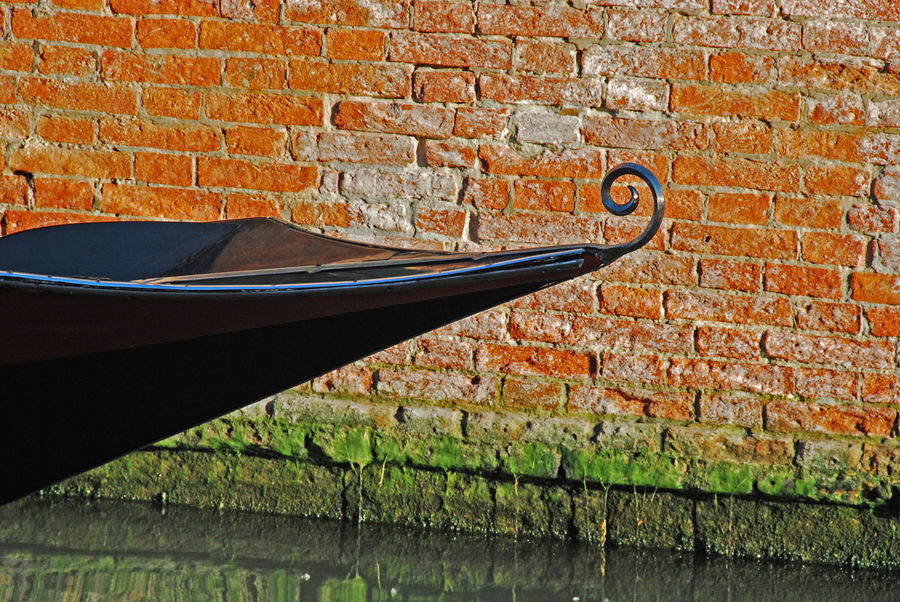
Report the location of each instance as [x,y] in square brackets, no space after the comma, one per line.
[768,307]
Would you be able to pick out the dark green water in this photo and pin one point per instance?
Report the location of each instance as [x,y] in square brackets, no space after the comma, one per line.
[55,549]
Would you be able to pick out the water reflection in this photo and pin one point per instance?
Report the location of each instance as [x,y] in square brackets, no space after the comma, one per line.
[53,549]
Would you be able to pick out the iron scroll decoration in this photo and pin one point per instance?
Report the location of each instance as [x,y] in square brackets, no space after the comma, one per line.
[628,207]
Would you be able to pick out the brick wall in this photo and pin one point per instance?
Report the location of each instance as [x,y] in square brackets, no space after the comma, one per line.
[766,310]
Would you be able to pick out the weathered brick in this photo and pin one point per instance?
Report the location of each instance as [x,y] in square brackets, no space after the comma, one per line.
[265,107]
[887,254]
[728,342]
[261,142]
[762,8]
[199,8]
[826,384]
[534,361]
[394,118]
[641,61]
[881,388]
[631,301]
[740,208]
[884,42]
[489,324]
[447,222]
[731,275]
[14,221]
[486,193]
[738,67]
[636,95]
[58,128]
[809,213]
[450,51]
[546,229]
[240,205]
[831,350]
[833,249]
[13,190]
[132,131]
[71,162]
[171,203]
[723,307]
[718,375]
[438,386]
[831,317]
[256,73]
[586,162]
[16,56]
[260,38]
[572,296]
[172,102]
[803,280]
[441,353]
[664,269]
[369,183]
[260,10]
[532,394]
[322,213]
[444,153]
[350,13]
[356,44]
[444,17]
[443,86]
[586,399]
[839,109]
[477,122]
[552,20]
[631,369]
[872,218]
[742,173]
[161,69]
[835,37]
[744,242]
[742,410]
[372,149]
[79,96]
[64,60]
[364,79]
[541,89]
[696,99]
[875,288]
[238,173]
[158,168]
[78,28]
[839,74]
[603,130]
[544,195]
[737,32]
[544,56]
[166,33]
[743,137]
[843,419]
[874,10]
[349,380]
[884,321]
[637,25]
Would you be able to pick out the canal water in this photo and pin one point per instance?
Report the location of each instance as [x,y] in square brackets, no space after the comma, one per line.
[52,549]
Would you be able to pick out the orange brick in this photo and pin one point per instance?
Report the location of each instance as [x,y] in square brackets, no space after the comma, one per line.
[837,109]
[446,51]
[544,56]
[737,67]
[314,213]
[562,22]
[441,353]
[740,208]
[14,123]
[731,376]
[240,205]
[265,108]
[840,146]
[15,56]
[644,134]
[826,418]
[743,242]
[834,249]
[449,17]
[260,38]
[476,122]
[199,8]
[13,190]
[238,173]
[809,213]
[833,350]
[837,180]
[71,162]
[53,193]
[260,10]
[838,74]
[743,137]
[169,203]
[532,394]
[443,86]
[884,321]
[15,221]
[763,103]
[486,193]
[62,60]
[256,73]
[731,308]
[352,380]
[161,69]
[131,131]
[170,102]
[818,383]
[158,168]
[7,90]
[534,361]
[86,5]
[79,96]
[728,342]
[71,130]
[380,80]
[631,369]
[356,44]
[264,142]
[448,222]
[443,153]
[630,301]
[543,195]
[743,173]
[166,33]
[881,388]
[374,149]
[73,27]
[584,162]
[875,288]
[588,399]
[802,280]
[835,37]
[731,275]
[830,317]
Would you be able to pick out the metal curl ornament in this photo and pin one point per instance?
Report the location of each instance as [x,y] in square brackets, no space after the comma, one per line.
[628,207]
